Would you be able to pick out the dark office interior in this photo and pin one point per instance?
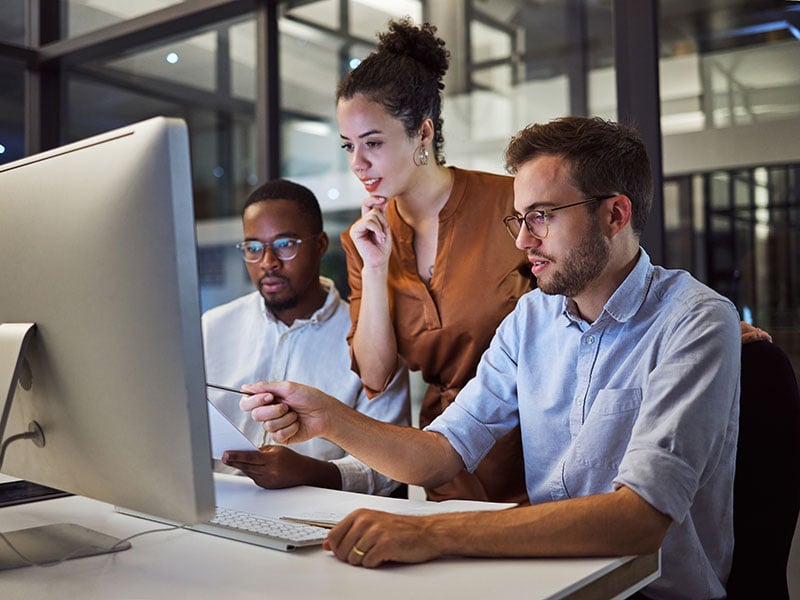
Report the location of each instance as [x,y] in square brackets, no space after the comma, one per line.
[713,86]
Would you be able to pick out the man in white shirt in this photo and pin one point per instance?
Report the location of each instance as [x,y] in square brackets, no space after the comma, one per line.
[293,327]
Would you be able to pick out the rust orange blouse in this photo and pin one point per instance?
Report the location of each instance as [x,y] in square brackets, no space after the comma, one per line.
[443,328]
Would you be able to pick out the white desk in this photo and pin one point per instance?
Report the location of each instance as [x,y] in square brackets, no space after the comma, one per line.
[186,564]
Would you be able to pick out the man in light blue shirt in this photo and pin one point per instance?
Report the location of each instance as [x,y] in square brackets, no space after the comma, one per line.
[623,376]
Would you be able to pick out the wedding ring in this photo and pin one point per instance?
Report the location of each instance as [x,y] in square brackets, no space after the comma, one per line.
[358,551]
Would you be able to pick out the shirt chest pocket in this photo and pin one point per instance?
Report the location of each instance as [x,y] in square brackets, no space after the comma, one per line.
[598,448]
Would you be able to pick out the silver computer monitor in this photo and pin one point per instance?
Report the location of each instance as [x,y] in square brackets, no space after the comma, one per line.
[98,250]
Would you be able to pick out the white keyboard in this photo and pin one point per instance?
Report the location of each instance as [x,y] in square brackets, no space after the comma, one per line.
[261,530]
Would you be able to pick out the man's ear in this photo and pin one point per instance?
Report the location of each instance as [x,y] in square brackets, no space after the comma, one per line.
[619,213]
[322,243]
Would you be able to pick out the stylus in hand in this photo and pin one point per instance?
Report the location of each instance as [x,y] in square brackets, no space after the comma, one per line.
[228,389]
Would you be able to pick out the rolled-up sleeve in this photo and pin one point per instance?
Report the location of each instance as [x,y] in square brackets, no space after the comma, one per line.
[677,441]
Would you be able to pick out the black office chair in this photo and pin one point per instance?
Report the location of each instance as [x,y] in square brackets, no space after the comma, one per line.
[766,494]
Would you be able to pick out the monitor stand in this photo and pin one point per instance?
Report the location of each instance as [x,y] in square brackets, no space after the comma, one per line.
[47,543]
[54,543]
[14,338]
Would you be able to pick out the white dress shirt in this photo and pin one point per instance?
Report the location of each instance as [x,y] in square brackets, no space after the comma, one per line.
[245,343]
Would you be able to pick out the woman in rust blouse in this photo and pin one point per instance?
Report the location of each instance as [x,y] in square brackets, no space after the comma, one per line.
[431,268]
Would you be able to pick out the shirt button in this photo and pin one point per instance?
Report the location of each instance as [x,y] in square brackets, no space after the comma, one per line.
[579,401]
[590,340]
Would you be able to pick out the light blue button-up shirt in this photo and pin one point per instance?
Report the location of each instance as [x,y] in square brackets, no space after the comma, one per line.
[645,397]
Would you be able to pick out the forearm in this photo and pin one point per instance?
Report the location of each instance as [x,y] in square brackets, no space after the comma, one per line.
[403,453]
[293,413]
[322,473]
[619,523]
[374,341]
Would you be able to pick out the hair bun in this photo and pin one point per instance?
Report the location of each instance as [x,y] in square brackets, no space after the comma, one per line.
[416,42]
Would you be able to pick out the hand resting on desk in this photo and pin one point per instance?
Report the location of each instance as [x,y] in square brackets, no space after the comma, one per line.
[369,538]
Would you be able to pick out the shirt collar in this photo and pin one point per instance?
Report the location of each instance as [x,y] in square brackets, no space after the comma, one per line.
[457,194]
[320,315]
[626,299]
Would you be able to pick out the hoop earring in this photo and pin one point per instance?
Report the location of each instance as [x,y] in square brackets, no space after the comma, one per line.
[421,156]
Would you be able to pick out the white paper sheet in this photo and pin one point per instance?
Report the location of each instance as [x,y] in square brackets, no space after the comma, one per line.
[312,503]
[224,434]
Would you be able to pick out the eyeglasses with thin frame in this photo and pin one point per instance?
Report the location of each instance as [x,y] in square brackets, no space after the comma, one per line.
[537,220]
[283,248]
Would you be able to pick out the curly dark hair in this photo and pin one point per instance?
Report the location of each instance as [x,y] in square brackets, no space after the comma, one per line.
[604,157]
[404,75]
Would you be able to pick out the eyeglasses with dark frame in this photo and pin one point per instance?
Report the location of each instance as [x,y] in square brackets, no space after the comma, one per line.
[536,220]
[283,248]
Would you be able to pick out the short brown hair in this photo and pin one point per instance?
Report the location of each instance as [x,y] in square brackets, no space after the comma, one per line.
[605,157]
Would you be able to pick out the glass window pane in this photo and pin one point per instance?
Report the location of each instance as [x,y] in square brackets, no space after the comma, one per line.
[310,69]
[755,84]
[12,22]
[324,12]
[730,65]
[499,78]
[242,42]
[720,191]
[192,78]
[742,189]
[190,62]
[311,63]
[12,113]
[368,17]
[82,16]
[489,43]
[678,223]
